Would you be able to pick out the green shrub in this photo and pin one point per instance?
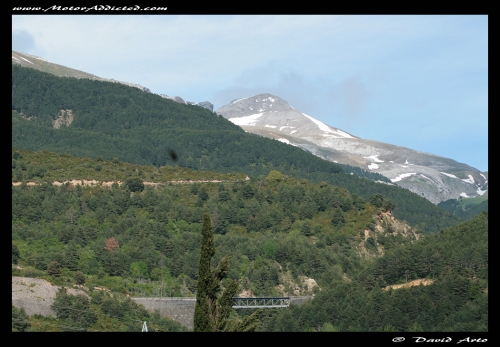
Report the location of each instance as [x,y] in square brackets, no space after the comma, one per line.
[134,184]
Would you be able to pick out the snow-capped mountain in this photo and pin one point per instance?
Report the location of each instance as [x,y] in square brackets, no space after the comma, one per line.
[433,177]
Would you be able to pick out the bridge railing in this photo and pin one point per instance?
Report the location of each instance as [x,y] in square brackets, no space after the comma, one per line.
[260,302]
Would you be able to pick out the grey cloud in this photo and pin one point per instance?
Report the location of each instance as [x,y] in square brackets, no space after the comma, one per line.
[22,41]
[353,95]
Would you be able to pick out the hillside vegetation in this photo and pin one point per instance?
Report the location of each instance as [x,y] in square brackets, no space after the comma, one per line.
[455,297]
[279,224]
[100,119]
[284,236]
[466,208]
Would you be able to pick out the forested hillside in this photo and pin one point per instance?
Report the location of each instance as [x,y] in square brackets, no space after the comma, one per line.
[463,209]
[99,119]
[279,224]
[456,263]
[284,236]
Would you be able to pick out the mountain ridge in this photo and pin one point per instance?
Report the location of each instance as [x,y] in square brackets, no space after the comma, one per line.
[38,63]
[434,177]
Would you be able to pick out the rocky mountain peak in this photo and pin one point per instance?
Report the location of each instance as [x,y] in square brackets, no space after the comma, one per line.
[432,177]
[260,103]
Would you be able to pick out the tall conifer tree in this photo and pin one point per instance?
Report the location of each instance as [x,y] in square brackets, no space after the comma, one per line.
[203,297]
[212,309]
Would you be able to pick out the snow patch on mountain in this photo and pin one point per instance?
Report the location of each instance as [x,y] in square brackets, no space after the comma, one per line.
[469,180]
[481,192]
[26,60]
[449,175]
[270,126]
[237,100]
[374,158]
[286,141]
[426,177]
[400,177]
[248,120]
[323,127]
[464,195]
[373,166]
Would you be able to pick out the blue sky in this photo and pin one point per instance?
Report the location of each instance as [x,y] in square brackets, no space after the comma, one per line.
[415,81]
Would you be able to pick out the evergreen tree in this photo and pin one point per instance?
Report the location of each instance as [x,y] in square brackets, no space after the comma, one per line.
[20,320]
[70,258]
[54,269]
[305,229]
[15,254]
[212,309]
[79,278]
[377,200]
[202,194]
[338,218]
[134,184]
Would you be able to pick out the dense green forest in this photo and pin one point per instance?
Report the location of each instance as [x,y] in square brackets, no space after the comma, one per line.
[462,209]
[280,219]
[456,259]
[110,120]
[277,230]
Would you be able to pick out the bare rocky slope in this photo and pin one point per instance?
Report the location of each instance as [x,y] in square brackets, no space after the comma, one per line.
[434,177]
[36,295]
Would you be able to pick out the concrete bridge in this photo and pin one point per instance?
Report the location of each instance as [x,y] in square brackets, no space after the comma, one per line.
[182,309]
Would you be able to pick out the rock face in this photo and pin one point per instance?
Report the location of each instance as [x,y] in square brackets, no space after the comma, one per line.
[174,98]
[433,177]
[36,295]
[384,224]
[64,117]
[205,104]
